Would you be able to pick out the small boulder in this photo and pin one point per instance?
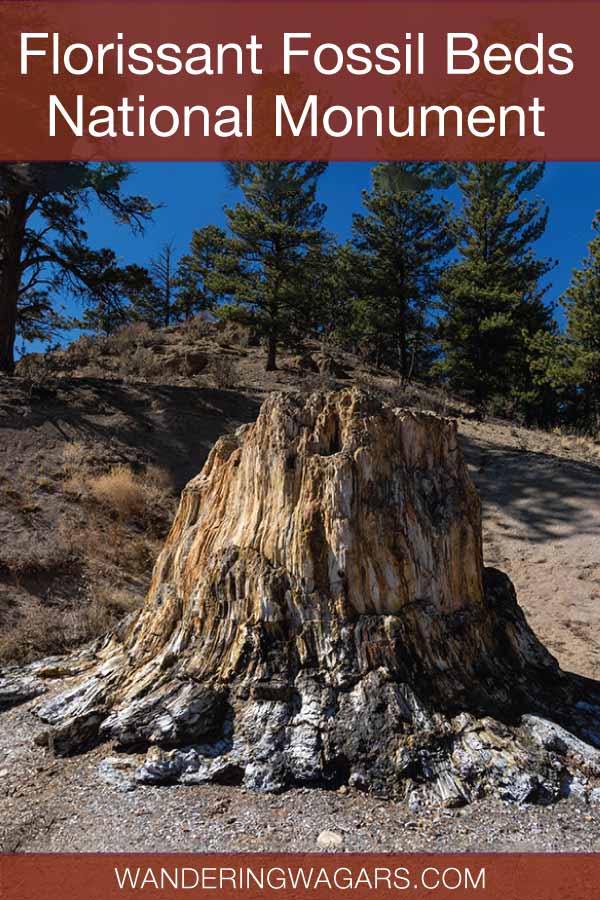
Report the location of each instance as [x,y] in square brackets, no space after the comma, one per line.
[329,840]
[304,362]
[195,361]
[179,361]
[327,365]
[15,689]
[594,796]
[118,772]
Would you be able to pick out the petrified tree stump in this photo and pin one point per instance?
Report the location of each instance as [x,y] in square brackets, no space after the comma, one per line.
[320,614]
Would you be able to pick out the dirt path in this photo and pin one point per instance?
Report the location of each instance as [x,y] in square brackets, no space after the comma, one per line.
[541,517]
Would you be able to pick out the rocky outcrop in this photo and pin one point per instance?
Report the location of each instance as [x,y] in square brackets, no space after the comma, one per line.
[16,688]
[320,614]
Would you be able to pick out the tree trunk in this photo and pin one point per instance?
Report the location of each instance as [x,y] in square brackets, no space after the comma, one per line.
[403,344]
[271,353]
[10,277]
[8,320]
[320,614]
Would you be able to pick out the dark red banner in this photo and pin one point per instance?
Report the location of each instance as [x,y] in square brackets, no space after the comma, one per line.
[228,876]
[299,80]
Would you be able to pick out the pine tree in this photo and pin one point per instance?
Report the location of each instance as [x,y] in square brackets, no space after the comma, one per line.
[194,294]
[40,317]
[414,177]
[41,229]
[162,272]
[403,240]
[108,289]
[155,301]
[276,247]
[336,283]
[492,297]
[579,364]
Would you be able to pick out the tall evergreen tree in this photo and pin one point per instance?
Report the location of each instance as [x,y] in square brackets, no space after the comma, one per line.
[492,297]
[577,366]
[336,285]
[276,246]
[108,289]
[42,239]
[195,269]
[413,177]
[403,241]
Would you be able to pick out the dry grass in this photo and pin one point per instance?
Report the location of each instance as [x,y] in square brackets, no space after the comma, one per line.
[138,554]
[121,492]
[79,354]
[54,558]
[142,362]
[76,485]
[129,337]
[198,326]
[74,458]
[146,497]
[46,630]
[36,367]
[581,444]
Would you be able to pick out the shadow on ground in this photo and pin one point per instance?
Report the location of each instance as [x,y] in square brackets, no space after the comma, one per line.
[173,426]
[545,496]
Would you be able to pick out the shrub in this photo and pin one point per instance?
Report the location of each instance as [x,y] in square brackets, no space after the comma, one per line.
[141,361]
[198,326]
[54,558]
[74,456]
[121,492]
[44,629]
[146,497]
[130,336]
[80,353]
[160,499]
[138,554]
[36,367]
[224,372]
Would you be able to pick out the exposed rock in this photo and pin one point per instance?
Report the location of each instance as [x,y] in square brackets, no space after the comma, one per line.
[195,361]
[305,362]
[18,688]
[320,614]
[118,772]
[330,840]
[328,365]
[183,361]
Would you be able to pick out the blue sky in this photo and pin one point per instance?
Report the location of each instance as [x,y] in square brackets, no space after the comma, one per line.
[195,194]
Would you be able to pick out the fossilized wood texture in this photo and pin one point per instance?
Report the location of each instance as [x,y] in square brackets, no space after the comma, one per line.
[320,614]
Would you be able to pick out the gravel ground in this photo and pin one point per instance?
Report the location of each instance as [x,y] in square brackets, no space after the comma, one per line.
[61,805]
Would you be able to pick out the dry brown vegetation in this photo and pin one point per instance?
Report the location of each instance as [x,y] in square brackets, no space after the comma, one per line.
[78,539]
[120,492]
[225,373]
[132,497]
[45,630]
[75,587]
